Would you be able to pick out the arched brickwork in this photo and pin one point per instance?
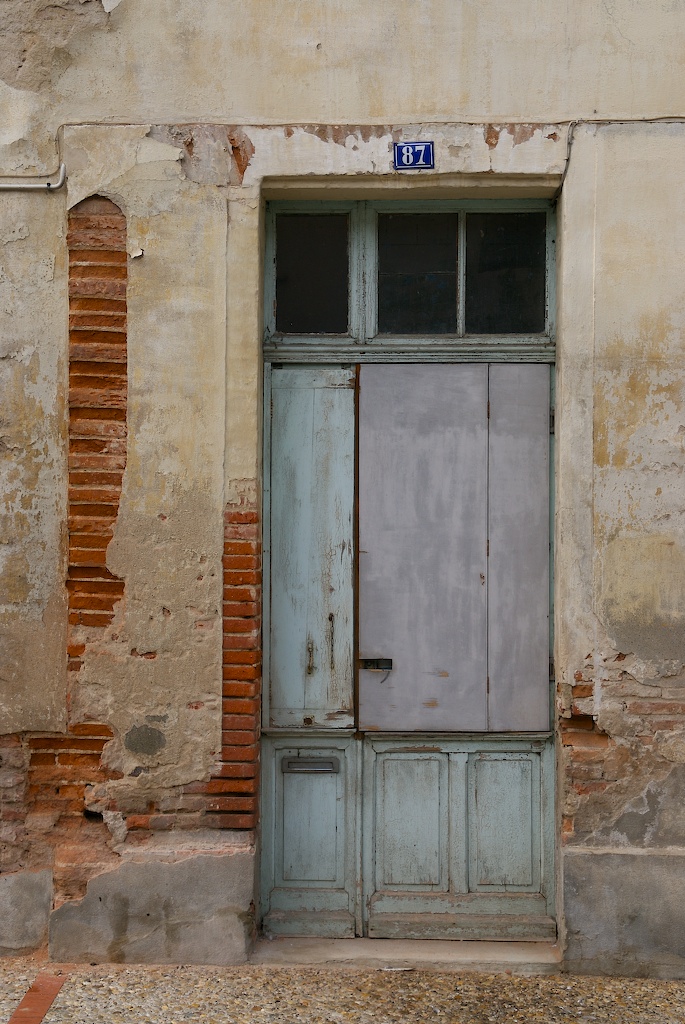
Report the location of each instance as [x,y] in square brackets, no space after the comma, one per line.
[97,412]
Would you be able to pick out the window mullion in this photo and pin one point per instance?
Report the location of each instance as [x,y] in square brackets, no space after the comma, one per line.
[461,276]
[356,272]
[367,227]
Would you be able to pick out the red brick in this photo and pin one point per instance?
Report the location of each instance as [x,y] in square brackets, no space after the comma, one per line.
[242,658]
[94,602]
[240,577]
[40,758]
[241,561]
[585,739]
[241,625]
[91,729]
[578,722]
[64,743]
[233,689]
[245,770]
[656,707]
[238,737]
[241,547]
[223,786]
[586,788]
[239,722]
[237,821]
[237,609]
[84,618]
[239,753]
[84,760]
[242,532]
[240,707]
[137,821]
[235,517]
[231,803]
[241,594]
[242,641]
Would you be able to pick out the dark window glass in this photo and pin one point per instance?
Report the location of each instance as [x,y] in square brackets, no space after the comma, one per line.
[505,273]
[417,273]
[311,274]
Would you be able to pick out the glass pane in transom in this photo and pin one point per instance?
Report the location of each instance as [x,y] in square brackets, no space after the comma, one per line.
[505,273]
[417,273]
[312,274]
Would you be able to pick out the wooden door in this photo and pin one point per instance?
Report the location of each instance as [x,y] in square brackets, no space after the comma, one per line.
[454,547]
[427,808]
[311,547]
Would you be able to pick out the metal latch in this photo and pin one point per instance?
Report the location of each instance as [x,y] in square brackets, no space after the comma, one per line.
[376,664]
[310,764]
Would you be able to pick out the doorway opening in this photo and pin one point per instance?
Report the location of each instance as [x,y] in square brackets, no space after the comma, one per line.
[408,760]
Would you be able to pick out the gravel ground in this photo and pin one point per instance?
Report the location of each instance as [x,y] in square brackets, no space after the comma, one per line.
[15,977]
[242,995]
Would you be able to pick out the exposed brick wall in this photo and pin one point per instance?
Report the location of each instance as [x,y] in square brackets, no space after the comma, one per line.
[621,736]
[44,819]
[234,789]
[61,770]
[97,412]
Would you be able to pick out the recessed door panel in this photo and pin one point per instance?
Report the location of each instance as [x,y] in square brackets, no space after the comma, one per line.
[412,822]
[310,840]
[423,448]
[504,820]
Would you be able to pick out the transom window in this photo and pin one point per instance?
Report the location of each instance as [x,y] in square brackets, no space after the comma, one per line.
[396,274]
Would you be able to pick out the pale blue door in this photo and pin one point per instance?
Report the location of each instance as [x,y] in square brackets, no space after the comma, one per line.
[408,786]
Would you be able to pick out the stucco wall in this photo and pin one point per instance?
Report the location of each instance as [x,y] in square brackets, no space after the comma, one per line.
[187,116]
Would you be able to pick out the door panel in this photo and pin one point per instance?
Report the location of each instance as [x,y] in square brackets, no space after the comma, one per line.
[309,827]
[422,546]
[504,816]
[309,864]
[311,547]
[461,851]
[518,565]
[412,822]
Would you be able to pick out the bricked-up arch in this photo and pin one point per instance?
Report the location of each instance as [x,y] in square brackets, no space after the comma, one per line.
[97,412]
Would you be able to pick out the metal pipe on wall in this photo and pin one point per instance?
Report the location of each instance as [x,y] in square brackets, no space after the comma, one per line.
[36,186]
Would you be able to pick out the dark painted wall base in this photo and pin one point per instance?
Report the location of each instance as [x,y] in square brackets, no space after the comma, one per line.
[625,912]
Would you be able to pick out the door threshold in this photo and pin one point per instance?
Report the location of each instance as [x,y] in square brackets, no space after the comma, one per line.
[512,957]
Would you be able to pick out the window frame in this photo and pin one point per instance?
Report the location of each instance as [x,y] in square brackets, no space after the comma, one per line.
[362,341]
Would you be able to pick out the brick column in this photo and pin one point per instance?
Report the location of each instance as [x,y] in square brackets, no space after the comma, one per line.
[231,794]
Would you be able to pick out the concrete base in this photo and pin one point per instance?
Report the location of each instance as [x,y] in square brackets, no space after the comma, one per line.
[408,954]
[625,912]
[25,901]
[181,899]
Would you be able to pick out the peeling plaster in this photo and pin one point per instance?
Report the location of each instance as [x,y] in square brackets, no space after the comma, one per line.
[38,35]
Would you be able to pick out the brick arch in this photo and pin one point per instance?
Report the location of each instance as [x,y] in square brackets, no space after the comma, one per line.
[96,240]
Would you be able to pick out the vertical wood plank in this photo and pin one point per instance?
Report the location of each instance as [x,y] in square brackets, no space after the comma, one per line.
[311,547]
[422,558]
[518,530]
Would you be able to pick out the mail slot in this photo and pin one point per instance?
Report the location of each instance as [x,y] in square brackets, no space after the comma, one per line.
[376,664]
[315,765]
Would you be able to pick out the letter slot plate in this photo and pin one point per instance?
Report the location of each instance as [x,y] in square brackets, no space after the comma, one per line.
[314,765]
[376,664]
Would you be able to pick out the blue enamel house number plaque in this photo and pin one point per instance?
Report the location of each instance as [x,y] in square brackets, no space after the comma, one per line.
[414,156]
